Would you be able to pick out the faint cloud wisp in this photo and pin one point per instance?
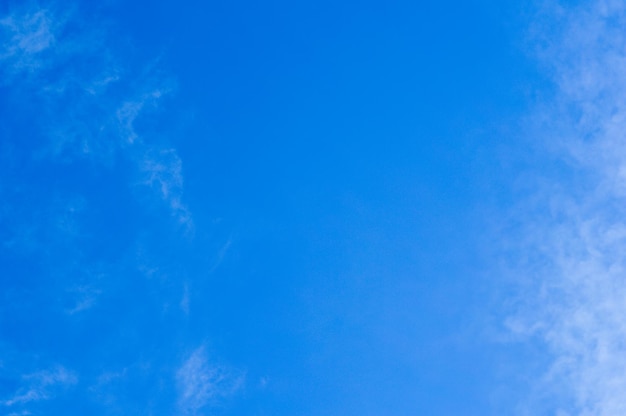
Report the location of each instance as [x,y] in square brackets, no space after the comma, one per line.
[25,36]
[575,301]
[71,75]
[201,384]
[41,386]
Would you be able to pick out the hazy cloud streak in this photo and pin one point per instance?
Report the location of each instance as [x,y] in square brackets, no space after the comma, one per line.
[201,384]
[576,301]
[40,385]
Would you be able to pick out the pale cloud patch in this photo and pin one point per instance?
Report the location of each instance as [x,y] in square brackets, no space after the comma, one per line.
[41,386]
[162,171]
[102,82]
[25,37]
[130,110]
[202,384]
[85,297]
[221,254]
[101,388]
[78,111]
[575,298]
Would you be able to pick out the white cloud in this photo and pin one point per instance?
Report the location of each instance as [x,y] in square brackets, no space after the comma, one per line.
[85,298]
[201,384]
[70,90]
[162,171]
[576,298]
[24,37]
[41,386]
[221,254]
[129,110]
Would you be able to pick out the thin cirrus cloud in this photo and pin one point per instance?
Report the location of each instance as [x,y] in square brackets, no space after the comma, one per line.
[81,113]
[162,171]
[575,294]
[41,385]
[84,106]
[201,383]
[26,37]
[89,132]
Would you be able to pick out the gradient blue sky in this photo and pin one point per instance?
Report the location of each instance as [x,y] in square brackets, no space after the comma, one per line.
[312,208]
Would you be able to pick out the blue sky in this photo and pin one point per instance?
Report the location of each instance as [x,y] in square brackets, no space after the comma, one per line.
[312,208]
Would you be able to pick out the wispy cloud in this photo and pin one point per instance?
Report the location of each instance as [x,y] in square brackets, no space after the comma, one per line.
[85,298]
[90,138]
[88,103]
[575,300]
[25,37]
[89,114]
[221,254]
[86,106]
[162,171]
[130,110]
[41,386]
[202,384]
